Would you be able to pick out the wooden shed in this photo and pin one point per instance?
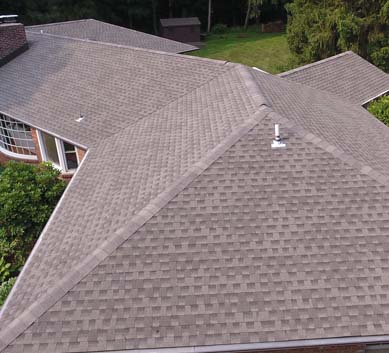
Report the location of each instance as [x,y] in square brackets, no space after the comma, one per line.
[185,29]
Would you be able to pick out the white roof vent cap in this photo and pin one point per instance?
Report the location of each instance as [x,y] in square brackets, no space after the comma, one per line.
[277,142]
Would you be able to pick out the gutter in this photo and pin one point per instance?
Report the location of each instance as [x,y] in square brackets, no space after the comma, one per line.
[375,97]
[245,347]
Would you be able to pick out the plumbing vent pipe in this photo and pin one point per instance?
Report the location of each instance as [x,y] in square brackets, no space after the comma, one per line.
[277,142]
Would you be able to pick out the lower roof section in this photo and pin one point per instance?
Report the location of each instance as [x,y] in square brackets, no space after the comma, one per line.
[264,246]
[347,75]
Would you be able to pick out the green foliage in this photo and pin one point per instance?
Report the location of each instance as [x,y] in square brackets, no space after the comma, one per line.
[28,195]
[319,29]
[219,28]
[5,288]
[380,108]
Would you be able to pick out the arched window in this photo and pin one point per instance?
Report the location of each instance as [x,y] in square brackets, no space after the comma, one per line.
[16,139]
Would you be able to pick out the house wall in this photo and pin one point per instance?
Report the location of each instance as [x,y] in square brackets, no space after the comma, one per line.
[184,34]
[5,158]
[80,154]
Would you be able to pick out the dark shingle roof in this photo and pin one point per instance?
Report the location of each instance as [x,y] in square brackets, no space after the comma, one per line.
[184,228]
[180,21]
[347,75]
[104,32]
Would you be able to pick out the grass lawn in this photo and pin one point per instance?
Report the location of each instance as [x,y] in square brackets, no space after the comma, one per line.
[267,51]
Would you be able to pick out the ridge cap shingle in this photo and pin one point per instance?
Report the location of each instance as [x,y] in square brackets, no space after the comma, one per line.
[316,63]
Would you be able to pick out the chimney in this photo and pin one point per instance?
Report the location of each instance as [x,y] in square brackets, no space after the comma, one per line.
[13,39]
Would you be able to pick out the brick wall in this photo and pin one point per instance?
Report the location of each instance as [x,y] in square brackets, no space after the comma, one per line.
[12,39]
[34,135]
[357,348]
[80,154]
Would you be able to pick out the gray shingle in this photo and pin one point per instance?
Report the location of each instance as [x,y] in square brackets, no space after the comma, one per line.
[261,243]
[104,32]
[346,75]
[113,86]
[183,227]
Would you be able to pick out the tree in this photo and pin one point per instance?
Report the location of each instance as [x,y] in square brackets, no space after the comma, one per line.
[209,15]
[380,108]
[28,195]
[254,9]
[319,29]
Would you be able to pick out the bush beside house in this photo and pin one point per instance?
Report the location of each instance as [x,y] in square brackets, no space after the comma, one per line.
[28,195]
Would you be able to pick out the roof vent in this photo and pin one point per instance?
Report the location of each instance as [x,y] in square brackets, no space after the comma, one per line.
[80,118]
[277,142]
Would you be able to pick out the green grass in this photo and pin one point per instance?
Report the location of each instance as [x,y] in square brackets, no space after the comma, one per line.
[267,51]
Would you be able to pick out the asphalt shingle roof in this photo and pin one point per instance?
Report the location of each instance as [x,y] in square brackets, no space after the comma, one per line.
[105,32]
[182,226]
[347,75]
[112,86]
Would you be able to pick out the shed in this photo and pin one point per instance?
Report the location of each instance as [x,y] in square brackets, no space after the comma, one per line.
[185,29]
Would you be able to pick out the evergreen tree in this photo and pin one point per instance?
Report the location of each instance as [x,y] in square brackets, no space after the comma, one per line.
[319,29]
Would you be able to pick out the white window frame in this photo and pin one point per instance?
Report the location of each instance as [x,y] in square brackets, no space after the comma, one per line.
[60,151]
[15,155]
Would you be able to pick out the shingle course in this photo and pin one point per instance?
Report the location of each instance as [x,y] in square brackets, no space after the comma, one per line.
[229,261]
[163,147]
[344,125]
[112,86]
[347,75]
[104,32]
[193,230]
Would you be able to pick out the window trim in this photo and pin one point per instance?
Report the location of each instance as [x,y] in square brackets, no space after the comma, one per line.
[14,155]
[60,150]
[18,155]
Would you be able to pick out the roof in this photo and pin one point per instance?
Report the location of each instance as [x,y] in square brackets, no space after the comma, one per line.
[180,21]
[183,227]
[104,32]
[347,75]
[113,86]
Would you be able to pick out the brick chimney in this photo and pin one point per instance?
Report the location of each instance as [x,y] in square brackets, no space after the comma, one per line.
[13,39]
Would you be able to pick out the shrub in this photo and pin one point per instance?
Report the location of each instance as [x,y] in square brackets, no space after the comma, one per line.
[380,108]
[28,195]
[5,288]
[219,28]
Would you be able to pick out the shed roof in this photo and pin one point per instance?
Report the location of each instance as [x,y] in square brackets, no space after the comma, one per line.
[181,21]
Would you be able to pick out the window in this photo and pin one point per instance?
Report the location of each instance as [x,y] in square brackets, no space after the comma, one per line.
[62,154]
[16,139]
[50,148]
[70,156]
